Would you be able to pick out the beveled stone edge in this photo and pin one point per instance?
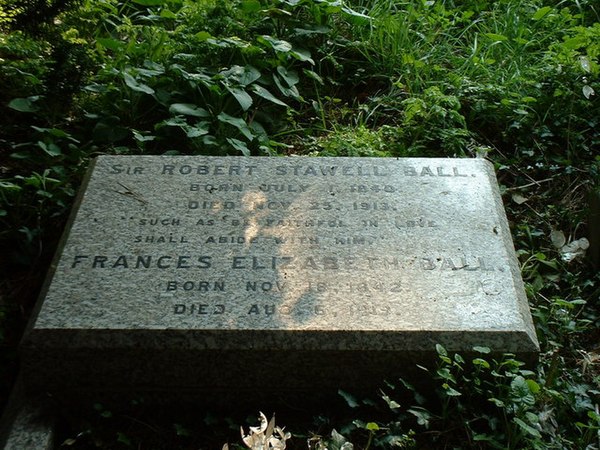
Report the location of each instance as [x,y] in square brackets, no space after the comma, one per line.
[171,340]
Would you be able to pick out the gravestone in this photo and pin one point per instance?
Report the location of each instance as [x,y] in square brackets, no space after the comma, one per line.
[220,274]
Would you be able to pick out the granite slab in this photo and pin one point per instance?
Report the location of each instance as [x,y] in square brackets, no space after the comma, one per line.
[217,272]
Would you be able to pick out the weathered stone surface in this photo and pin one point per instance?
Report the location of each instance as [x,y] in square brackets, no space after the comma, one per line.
[203,272]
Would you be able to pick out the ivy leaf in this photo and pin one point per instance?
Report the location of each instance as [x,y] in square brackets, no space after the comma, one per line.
[423,416]
[372,426]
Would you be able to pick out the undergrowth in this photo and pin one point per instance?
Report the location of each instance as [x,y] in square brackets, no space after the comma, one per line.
[516,82]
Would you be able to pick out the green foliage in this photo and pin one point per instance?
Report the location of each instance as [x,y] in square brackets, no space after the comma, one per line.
[515,81]
[485,402]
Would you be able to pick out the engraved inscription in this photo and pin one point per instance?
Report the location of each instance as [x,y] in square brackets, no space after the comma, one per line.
[221,241]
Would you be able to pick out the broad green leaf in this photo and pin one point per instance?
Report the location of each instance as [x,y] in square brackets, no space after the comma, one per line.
[450,391]
[350,400]
[496,37]
[277,44]
[142,137]
[135,85]
[56,132]
[242,97]
[497,402]
[168,14]
[209,140]
[541,13]
[24,104]
[278,12]
[203,36]
[392,404]
[445,374]
[250,6]
[421,414]
[264,93]
[123,438]
[258,131]
[290,76]
[481,362]
[200,129]
[575,42]
[534,387]
[484,350]
[521,390]
[315,76]
[188,109]
[50,149]
[237,122]
[302,55]
[372,426]
[111,44]
[107,131]
[288,92]
[527,428]
[174,122]
[149,2]
[232,41]
[240,75]
[482,437]
[8,186]
[239,146]
[356,17]
[151,72]
[334,8]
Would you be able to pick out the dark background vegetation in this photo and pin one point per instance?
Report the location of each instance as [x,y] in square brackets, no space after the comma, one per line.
[516,82]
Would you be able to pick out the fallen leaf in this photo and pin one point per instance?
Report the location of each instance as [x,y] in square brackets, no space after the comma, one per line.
[558,238]
[519,199]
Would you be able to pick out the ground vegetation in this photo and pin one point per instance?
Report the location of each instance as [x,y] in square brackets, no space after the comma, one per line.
[516,82]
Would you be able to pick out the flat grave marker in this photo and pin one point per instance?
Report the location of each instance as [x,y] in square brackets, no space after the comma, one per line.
[219,272]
